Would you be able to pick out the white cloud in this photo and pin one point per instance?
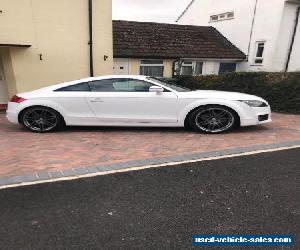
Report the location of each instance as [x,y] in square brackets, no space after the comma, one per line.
[148,10]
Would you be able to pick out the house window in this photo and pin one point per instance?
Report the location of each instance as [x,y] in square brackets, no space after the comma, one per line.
[230,15]
[152,68]
[259,52]
[227,68]
[187,69]
[198,68]
[222,16]
[191,68]
[214,18]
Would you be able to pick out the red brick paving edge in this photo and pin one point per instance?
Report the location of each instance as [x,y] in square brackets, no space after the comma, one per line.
[45,175]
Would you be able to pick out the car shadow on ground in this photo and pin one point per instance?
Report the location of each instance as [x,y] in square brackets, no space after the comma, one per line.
[74,129]
[87,129]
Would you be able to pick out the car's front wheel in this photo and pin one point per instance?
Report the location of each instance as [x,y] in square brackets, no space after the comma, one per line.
[41,119]
[213,119]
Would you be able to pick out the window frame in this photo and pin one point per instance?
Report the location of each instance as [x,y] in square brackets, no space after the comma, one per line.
[119,78]
[214,18]
[60,89]
[230,13]
[221,73]
[88,84]
[192,63]
[149,80]
[187,64]
[222,16]
[152,65]
[257,43]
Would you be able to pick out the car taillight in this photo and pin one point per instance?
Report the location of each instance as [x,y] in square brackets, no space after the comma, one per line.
[17,99]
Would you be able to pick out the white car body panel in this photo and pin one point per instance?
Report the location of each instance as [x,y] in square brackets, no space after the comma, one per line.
[151,109]
[139,107]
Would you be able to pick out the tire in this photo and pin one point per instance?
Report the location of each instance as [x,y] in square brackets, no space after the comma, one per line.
[41,119]
[212,119]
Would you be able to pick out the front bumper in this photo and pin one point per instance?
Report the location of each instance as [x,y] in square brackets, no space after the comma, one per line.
[255,116]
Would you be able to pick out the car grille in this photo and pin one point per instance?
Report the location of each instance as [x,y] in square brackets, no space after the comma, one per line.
[263,118]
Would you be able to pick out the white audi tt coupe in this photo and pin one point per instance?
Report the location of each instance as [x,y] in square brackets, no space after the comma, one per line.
[134,101]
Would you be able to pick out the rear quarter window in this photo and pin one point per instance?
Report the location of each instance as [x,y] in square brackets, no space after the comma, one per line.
[76,87]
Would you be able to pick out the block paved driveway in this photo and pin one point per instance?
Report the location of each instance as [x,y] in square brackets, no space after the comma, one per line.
[23,152]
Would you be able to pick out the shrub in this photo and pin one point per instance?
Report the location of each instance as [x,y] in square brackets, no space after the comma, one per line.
[281,90]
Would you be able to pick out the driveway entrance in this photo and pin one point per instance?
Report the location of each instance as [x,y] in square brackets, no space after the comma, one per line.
[23,152]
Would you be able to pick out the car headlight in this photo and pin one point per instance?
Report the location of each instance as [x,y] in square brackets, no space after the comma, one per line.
[255,103]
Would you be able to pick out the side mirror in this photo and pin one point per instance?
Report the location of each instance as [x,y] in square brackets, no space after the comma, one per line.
[156,89]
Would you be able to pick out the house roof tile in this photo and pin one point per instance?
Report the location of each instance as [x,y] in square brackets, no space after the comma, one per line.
[160,40]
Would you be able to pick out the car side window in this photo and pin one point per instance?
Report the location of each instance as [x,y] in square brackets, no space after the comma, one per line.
[102,85]
[132,85]
[120,85]
[76,87]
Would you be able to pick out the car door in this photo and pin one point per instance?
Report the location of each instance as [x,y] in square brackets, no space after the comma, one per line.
[72,100]
[127,100]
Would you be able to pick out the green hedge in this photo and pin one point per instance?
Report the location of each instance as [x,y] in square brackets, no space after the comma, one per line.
[281,90]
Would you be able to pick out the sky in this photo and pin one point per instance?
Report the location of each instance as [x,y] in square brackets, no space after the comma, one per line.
[165,11]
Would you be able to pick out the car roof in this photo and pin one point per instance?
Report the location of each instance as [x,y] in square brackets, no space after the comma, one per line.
[139,77]
[64,84]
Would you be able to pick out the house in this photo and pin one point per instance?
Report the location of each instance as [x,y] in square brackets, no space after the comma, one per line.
[162,50]
[267,31]
[46,42]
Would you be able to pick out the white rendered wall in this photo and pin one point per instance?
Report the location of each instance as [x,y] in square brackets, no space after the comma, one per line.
[273,24]
[295,56]
[266,28]
[237,30]
[284,39]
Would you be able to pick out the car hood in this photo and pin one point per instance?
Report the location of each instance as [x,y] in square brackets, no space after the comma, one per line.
[212,94]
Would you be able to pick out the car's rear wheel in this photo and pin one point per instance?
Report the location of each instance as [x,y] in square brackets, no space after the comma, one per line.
[41,119]
[213,119]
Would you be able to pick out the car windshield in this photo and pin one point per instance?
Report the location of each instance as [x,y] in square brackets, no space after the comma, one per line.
[169,84]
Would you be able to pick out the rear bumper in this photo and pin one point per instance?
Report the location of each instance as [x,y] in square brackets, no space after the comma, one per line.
[12,112]
[12,117]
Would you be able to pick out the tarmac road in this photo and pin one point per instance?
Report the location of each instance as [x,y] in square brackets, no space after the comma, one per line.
[157,208]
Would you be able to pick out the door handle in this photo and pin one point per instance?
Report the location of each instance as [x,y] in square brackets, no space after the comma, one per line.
[96,100]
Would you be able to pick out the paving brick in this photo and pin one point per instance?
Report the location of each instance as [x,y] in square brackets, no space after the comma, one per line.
[116,166]
[4,181]
[92,170]
[43,175]
[80,171]
[152,161]
[25,153]
[15,179]
[31,177]
[131,164]
[68,172]
[56,174]
[137,163]
[103,168]
[156,161]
